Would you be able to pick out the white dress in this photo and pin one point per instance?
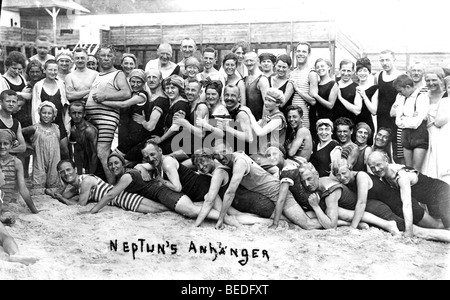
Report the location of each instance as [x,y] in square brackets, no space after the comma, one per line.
[437,159]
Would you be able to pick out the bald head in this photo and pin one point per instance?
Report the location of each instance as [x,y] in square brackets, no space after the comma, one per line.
[378,163]
[376,156]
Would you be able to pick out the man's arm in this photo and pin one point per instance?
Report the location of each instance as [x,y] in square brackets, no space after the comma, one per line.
[329,219]
[91,136]
[123,183]
[284,188]
[240,166]
[243,97]
[170,167]
[217,180]
[355,107]
[362,182]
[123,93]
[405,195]
[246,134]
[23,190]
[73,94]
[300,137]
[263,86]
[21,146]
[135,99]
[85,189]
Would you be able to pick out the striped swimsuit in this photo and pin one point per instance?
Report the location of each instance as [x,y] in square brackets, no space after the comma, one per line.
[300,80]
[105,118]
[124,200]
[9,188]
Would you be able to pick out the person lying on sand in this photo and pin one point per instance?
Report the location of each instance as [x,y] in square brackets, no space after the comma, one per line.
[92,188]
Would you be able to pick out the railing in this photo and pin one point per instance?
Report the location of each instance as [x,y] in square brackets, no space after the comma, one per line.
[25,35]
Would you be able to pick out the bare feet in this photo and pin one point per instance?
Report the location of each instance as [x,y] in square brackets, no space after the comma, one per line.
[392,228]
[231,220]
[22,260]
[363,226]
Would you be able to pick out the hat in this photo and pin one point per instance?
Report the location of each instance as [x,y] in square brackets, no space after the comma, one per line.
[8,134]
[137,73]
[48,103]
[365,126]
[275,95]
[176,80]
[120,157]
[363,62]
[324,122]
[64,54]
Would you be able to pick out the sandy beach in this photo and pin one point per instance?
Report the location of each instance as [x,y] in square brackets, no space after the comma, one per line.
[116,244]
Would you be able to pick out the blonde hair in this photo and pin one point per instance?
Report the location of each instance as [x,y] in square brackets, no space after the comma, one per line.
[337,164]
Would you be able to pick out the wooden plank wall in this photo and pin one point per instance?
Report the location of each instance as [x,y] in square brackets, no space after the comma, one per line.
[404,60]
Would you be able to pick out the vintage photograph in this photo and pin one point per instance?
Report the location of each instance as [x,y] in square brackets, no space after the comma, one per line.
[233,140]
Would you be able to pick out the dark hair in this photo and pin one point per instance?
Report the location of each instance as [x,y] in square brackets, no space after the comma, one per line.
[267,56]
[31,64]
[215,85]
[211,50]
[15,57]
[76,103]
[344,121]
[231,56]
[295,107]
[388,130]
[65,161]
[241,44]
[402,81]
[106,46]
[7,93]
[284,58]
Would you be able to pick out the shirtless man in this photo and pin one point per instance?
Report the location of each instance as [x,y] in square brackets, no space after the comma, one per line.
[111,85]
[79,82]
[209,60]
[84,134]
[256,85]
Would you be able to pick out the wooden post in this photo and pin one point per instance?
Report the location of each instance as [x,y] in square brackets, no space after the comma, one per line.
[53,13]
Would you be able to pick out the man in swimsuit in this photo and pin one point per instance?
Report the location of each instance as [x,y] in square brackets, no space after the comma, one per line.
[209,60]
[79,82]
[84,134]
[91,188]
[256,85]
[412,183]
[8,104]
[111,85]
[239,132]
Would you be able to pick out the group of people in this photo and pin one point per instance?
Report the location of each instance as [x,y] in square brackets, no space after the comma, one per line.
[256,139]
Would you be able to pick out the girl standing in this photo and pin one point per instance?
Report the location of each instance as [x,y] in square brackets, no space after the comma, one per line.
[46,144]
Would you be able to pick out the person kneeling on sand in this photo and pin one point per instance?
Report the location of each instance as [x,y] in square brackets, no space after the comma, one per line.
[92,188]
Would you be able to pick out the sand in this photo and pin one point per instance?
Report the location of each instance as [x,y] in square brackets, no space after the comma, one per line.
[69,245]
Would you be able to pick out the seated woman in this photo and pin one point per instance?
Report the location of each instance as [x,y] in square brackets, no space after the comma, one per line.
[91,188]
[12,181]
[363,135]
[299,142]
[323,150]
[334,205]
[374,195]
